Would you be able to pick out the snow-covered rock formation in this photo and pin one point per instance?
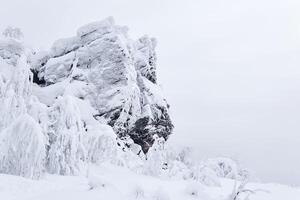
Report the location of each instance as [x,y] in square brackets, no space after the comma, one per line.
[115,74]
[91,106]
[92,98]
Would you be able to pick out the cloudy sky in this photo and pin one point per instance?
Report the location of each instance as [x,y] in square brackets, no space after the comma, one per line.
[230,69]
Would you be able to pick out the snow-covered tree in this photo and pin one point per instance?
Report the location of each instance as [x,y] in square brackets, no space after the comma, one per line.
[15,90]
[66,151]
[22,148]
[14,33]
[101,148]
[156,158]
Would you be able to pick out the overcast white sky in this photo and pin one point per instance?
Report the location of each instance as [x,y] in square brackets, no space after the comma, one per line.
[230,69]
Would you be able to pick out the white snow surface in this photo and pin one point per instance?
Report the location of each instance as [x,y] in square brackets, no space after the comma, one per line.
[118,183]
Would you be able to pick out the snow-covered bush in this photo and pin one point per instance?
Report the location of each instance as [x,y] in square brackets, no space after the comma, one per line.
[179,170]
[127,157]
[66,152]
[22,148]
[156,162]
[226,168]
[241,192]
[206,175]
[179,163]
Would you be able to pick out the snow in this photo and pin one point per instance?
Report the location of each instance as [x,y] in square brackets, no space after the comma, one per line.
[94,26]
[49,94]
[63,46]
[112,182]
[58,68]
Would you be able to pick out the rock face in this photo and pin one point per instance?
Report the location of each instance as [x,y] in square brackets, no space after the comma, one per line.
[115,74]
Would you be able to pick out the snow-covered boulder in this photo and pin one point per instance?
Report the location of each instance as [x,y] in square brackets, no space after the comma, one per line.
[119,78]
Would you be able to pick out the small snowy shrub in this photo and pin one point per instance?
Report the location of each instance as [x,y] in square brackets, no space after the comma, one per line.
[208,172]
[224,167]
[22,148]
[206,176]
[227,168]
[184,155]
[241,192]
[179,170]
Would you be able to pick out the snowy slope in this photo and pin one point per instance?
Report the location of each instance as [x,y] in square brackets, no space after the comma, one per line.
[118,183]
